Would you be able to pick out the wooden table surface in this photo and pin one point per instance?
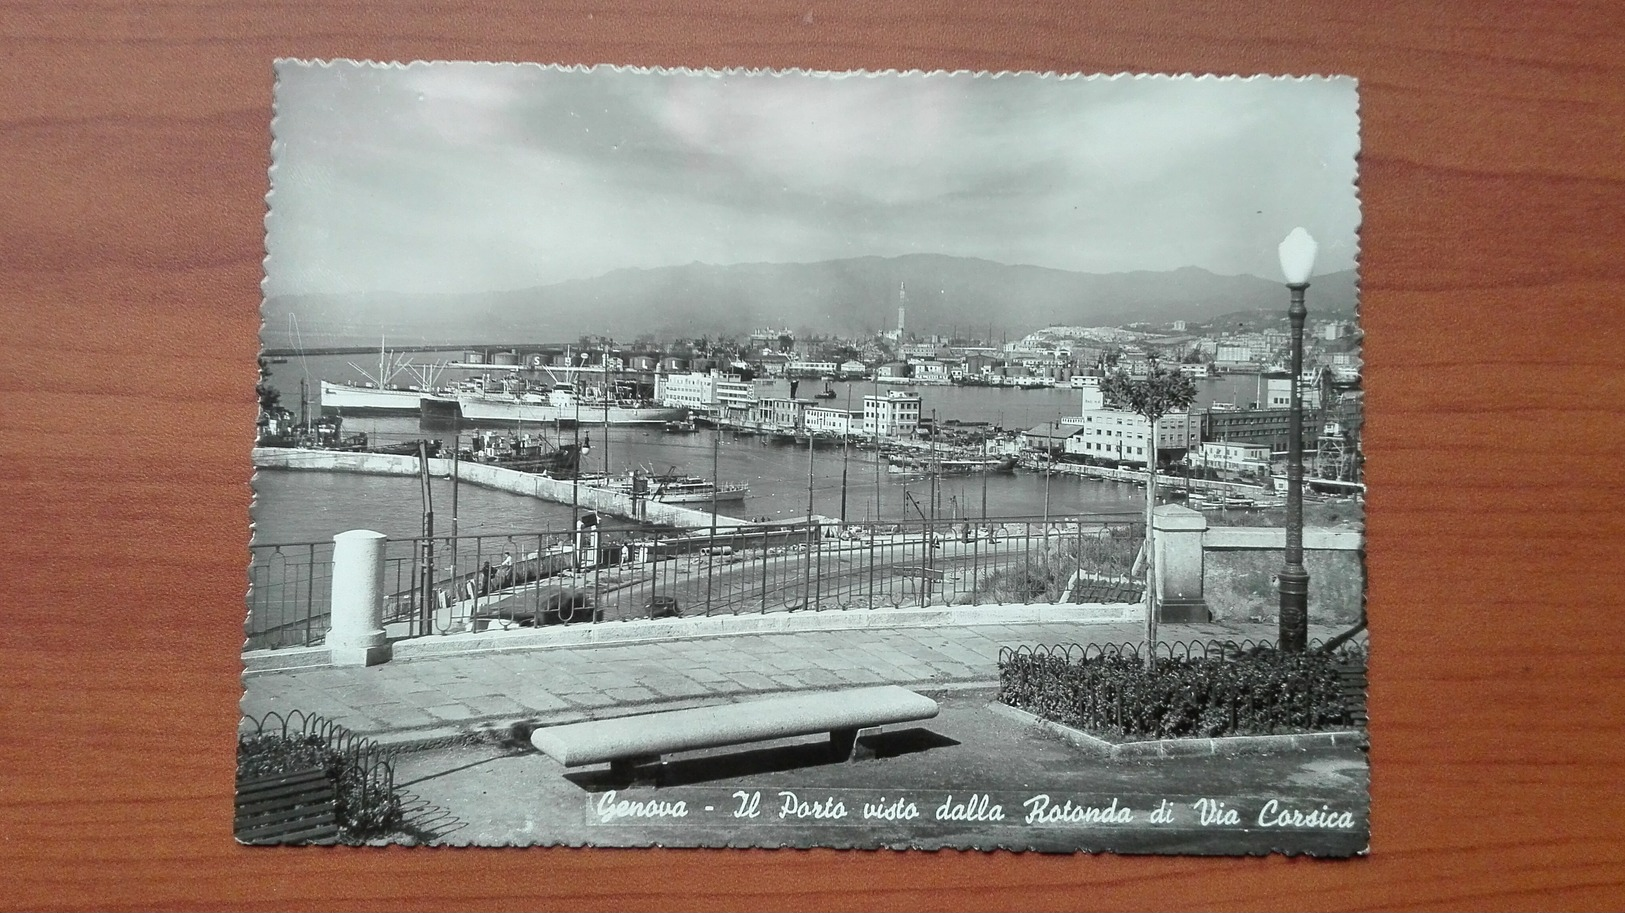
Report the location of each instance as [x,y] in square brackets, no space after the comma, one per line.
[133,155]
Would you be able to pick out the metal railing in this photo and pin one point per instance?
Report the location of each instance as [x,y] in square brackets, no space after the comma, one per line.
[1194,689]
[443,584]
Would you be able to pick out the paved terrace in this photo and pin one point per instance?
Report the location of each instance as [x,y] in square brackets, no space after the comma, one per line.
[430,698]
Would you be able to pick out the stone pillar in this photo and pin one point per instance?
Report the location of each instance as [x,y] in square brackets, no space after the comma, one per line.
[357,637]
[1178,541]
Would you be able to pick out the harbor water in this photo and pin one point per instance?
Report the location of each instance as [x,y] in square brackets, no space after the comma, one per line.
[312,506]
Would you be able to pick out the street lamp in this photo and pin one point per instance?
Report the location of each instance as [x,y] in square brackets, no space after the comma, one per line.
[1297,261]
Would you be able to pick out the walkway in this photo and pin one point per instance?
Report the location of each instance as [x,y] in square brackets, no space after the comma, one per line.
[431,698]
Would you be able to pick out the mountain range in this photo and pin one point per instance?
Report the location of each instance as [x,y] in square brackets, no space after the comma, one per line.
[846,297]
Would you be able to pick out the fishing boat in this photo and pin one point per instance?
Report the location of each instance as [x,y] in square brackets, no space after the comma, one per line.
[681,426]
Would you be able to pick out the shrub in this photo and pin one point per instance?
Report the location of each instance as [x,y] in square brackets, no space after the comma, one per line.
[366,803]
[1217,693]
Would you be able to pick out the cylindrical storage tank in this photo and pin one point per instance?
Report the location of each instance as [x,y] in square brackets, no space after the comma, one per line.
[701,364]
[671,365]
[643,363]
[473,358]
[505,358]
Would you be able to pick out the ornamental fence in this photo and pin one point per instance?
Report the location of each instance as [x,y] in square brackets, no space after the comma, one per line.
[368,803]
[443,584]
[1191,689]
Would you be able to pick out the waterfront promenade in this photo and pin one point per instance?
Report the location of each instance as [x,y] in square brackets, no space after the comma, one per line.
[417,701]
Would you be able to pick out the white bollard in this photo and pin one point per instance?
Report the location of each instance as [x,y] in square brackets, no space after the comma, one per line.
[1178,541]
[357,637]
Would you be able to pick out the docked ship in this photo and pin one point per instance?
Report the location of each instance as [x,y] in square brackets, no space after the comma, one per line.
[378,394]
[558,406]
[350,399]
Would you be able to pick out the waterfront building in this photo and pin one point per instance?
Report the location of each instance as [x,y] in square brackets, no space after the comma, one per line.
[892,372]
[1233,353]
[1269,427]
[735,398]
[1197,371]
[688,391]
[1050,438]
[829,420]
[777,413]
[1122,436]
[894,415]
[810,368]
[1232,458]
[853,369]
[930,372]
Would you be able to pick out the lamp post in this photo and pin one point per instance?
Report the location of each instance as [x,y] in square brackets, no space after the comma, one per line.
[1297,261]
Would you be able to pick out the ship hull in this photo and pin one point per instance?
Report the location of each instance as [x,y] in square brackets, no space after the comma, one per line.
[346,400]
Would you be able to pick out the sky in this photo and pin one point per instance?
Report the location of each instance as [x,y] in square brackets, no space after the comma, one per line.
[461,177]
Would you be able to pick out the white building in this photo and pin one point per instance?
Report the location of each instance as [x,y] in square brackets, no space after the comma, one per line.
[1093,398]
[893,415]
[810,368]
[1233,353]
[832,421]
[1246,459]
[1278,392]
[1121,436]
[930,372]
[688,391]
[853,368]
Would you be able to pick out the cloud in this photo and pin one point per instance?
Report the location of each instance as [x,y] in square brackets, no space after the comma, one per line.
[464,177]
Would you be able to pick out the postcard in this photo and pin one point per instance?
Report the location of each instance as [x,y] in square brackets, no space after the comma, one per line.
[760,458]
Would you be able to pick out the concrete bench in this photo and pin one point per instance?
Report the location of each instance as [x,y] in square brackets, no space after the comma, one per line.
[626,742]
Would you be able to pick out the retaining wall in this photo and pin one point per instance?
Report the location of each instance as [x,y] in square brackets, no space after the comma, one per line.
[484,475]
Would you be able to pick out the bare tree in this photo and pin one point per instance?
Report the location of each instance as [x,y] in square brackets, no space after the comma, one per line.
[1159,394]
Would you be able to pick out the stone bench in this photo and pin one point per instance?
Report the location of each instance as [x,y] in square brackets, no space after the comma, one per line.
[626,742]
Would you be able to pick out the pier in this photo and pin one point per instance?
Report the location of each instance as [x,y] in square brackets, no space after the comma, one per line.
[559,491]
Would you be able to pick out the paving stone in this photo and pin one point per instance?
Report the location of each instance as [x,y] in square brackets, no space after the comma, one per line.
[539,701]
[454,713]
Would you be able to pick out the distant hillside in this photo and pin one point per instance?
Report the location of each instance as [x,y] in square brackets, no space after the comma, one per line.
[853,296]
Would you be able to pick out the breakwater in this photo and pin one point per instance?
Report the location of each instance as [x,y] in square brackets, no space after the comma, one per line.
[498,478]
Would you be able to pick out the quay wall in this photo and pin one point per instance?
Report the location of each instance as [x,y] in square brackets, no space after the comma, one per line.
[495,477]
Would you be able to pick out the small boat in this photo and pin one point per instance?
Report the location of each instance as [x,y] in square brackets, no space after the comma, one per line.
[676,489]
[682,426]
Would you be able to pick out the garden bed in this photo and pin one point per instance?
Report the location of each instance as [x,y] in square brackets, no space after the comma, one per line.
[1201,691]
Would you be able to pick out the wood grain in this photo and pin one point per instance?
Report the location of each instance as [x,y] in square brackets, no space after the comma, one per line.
[134,147]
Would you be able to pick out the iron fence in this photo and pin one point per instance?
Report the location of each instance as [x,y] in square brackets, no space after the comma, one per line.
[1195,688]
[361,771]
[444,584]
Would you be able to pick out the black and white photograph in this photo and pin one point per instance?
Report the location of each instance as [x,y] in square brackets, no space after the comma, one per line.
[778,458]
